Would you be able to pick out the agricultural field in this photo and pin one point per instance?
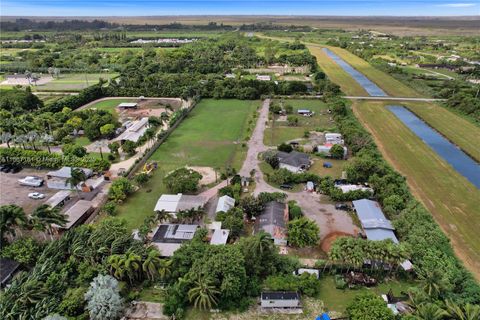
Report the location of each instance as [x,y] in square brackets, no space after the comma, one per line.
[461,132]
[451,199]
[74,82]
[200,140]
[281,132]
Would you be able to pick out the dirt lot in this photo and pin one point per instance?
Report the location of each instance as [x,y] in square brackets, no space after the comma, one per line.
[13,193]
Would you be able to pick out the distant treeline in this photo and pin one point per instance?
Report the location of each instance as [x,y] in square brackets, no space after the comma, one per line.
[79,25]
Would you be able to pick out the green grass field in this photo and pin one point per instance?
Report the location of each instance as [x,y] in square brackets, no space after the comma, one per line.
[282,132]
[109,105]
[74,81]
[335,171]
[453,201]
[463,133]
[210,136]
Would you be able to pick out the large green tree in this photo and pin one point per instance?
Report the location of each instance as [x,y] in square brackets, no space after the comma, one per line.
[182,180]
[369,306]
[303,232]
[11,218]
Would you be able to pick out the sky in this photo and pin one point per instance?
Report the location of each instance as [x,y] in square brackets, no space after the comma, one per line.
[239,7]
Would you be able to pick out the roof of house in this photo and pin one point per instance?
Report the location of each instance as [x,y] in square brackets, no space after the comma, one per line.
[304,111]
[175,233]
[7,268]
[220,236]
[134,131]
[177,202]
[58,197]
[225,203]
[280,295]
[373,221]
[66,172]
[294,158]
[127,105]
[273,220]
[76,212]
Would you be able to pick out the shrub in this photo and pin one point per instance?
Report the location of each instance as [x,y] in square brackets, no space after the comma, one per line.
[110,208]
[285,148]
[120,189]
[24,251]
[182,180]
[74,150]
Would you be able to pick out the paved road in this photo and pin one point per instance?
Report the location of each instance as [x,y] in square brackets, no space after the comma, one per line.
[324,214]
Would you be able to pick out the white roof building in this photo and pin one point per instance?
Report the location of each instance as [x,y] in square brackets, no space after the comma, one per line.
[353,187]
[219,236]
[264,78]
[173,203]
[134,131]
[225,203]
[128,105]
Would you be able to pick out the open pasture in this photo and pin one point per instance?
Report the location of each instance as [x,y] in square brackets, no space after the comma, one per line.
[453,201]
[210,136]
[74,81]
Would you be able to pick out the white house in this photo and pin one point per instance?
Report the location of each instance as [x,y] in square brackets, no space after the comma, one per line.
[334,138]
[173,203]
[280,299]
[225,203]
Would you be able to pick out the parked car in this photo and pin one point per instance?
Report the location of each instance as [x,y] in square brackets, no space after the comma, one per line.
[15,169]
[286,186]
[343,206]
[6,168]
[36,195]
[31,181]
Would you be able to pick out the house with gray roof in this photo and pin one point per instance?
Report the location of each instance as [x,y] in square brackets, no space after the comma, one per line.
[273,220]
[294,161]
[280,299]
[373,221]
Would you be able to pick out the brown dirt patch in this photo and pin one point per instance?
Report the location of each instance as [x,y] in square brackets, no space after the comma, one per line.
[208,174]
[327,242]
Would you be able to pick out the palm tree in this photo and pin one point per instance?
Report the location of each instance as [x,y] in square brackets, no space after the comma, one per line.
[430,311]
[151,264]
[11,217]
[47,139]
[99,145]
[44,217]
[432,282]
[132,265]
[77,175]
[203,294]
[116,263]
[165,268]
[468,312]
[263,242]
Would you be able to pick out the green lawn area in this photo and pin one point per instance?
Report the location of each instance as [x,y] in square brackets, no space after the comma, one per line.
[74,81]
[463,133]
[335,171]
[109,105]
[337,299]
[451,198]
[319,122]
[211,136]
[152,294]
[81,141]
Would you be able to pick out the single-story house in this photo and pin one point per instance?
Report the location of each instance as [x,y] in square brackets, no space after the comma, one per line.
[58,179]
[133,132]
[225,203]
[59,199]
[273,220]
[219,236]
[128,105]
[280,299]
[263,78]
[325,148]
[335,138]
[77,214]
[305,112]
[373,221]
[169,237]
[353,187]
[8,269]
[294,161]
[174,203]
[309,271]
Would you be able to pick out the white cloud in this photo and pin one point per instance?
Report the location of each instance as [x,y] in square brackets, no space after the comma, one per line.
[457,5]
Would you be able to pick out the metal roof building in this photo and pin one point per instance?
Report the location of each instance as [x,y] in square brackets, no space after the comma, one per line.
[273,220]
[373,221]
[173,203]
[280,299]
[225,203]
[169,237]
[77,213]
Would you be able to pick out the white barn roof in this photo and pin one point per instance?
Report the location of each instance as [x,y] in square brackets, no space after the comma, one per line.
[225,203]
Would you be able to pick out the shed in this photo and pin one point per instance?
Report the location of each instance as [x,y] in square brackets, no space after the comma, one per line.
[310,186]
[128,105]
[77,213]
[373,221]
[225,203]
[8,268]
[280,299]
[219,236]
[58,199]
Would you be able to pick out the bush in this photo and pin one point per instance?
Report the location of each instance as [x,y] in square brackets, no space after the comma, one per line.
[24,251]
[285,148]
[44,159]
[182,180]
[120,189]
[110,208]
[129,147]
[337,151]
[142,178]
[74,150]
[303,232]
[73,302]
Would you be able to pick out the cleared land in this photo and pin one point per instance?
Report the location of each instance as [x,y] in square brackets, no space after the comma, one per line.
[453,201]
[210,136]
[110,104]
[282,132]
[461,132]
[74,81]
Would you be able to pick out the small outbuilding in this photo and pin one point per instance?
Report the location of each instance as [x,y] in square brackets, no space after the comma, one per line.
[280,299]
[174,203]
[225,203]
[128,105]
[8,269]
[59,199]
[58,179]
[77,214]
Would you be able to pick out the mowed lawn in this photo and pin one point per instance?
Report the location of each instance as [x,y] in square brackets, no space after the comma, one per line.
[74,81]
[453,201]
[460,131]
[336,74]
[282,132]
[389,84]
[211,135]
[109,105]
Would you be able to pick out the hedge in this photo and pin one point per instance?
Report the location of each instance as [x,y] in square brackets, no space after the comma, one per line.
[45,159]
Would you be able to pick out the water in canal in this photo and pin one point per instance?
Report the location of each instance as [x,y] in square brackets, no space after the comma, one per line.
[460,161]
[371,88]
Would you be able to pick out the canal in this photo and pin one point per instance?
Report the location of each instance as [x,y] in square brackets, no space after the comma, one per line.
[371,88]
[460,161]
